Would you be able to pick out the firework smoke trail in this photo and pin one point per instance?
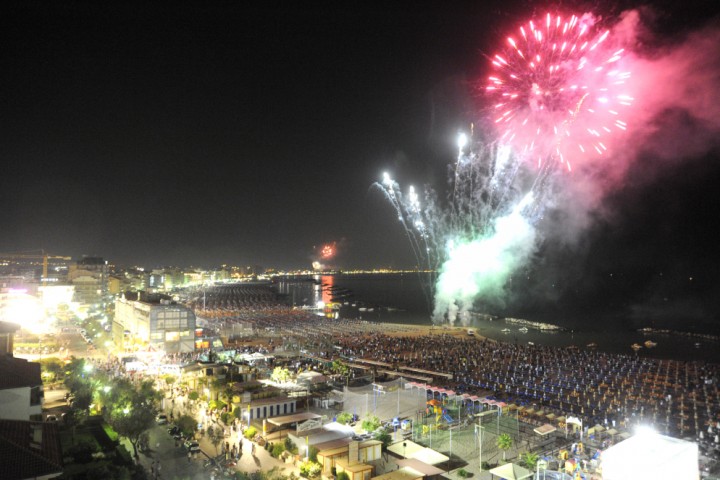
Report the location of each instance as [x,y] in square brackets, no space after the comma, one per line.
[489,199]
[420,227]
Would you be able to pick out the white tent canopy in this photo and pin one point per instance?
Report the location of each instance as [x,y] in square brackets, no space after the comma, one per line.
[511,471]
[651,455]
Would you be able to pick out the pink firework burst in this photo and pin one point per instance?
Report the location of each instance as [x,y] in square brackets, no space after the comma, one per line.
[559,90]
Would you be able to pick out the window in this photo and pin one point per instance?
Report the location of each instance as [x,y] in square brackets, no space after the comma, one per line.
[36,395]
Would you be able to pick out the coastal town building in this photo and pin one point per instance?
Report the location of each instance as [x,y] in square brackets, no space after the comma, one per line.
[21,389]
[89,275]
[153,322]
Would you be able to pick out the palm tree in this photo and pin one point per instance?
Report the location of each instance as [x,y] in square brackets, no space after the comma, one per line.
[504,443]
[529,460]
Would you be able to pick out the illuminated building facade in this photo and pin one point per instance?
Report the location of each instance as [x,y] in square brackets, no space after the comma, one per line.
[89,275]
[153,322]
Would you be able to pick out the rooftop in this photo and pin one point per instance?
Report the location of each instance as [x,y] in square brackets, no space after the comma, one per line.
[29,449]
[18,373]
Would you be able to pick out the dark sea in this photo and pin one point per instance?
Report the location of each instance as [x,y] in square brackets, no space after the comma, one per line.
[400,298]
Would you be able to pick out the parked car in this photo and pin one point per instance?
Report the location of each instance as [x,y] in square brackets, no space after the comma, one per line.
[173,430]
[161,419]
[192,446]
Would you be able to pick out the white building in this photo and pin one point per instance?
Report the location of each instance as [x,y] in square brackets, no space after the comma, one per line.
[150,321]
[21,390]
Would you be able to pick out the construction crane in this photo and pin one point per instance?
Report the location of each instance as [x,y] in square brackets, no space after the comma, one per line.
[44,256]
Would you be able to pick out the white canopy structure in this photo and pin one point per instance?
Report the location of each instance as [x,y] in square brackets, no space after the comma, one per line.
[651,455]
[511,471]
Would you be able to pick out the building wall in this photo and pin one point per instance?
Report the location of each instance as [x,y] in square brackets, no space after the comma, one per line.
[165,326]
[281,408]
[22,403]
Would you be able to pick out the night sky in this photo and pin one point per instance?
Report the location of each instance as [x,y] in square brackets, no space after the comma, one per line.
[208,133]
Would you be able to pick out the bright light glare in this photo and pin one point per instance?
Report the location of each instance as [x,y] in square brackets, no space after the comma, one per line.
[462,140]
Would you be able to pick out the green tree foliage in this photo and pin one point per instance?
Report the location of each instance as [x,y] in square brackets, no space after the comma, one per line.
[344,418]
[82,452]
[339,367]
[132,410]
[280,375]
[343,476]
[52,368]
[250,433]
[169,380]
[193,396]
[313,453]
[529,460]
[504,443]
[385,438]
[277,450]
[310,469]
[216,436]
[290,446]
[187,425]
[371,423]
[226,418]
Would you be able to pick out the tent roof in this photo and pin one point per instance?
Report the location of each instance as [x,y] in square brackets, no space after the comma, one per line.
[511,471]
[419,466]
[545,429]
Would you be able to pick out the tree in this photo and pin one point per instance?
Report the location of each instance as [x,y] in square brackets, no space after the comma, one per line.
[504,443]
[132,411]
[340,368]
[216,436]
[529,460]
[312,453]
[385,438]
[187,425]
[52,368]
[371,423]
[344,418]
[169,380]
[280,375]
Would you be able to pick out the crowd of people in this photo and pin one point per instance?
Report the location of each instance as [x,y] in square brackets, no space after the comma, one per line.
[679,398]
